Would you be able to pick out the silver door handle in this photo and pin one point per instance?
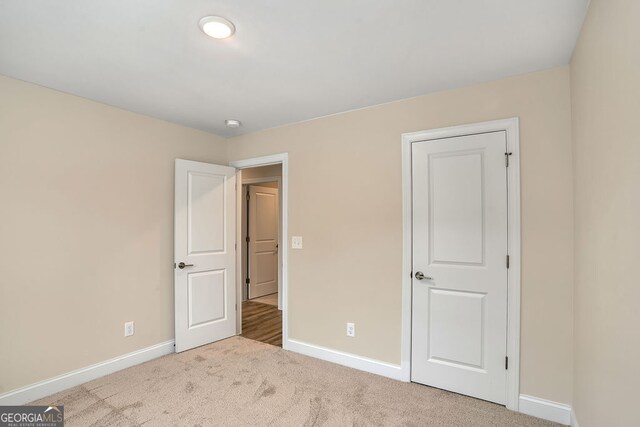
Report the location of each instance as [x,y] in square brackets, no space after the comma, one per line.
[183,265]
[420,276]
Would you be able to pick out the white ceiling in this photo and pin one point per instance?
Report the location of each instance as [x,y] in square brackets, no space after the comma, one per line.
[290,60]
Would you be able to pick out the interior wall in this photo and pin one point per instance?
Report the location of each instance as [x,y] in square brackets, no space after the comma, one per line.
[86,221]
[272,184]
[345,198]
[99,194]
[605,83]
[262,172]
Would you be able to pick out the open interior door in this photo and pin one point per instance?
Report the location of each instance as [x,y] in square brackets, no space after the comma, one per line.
[263,241]
[205,261]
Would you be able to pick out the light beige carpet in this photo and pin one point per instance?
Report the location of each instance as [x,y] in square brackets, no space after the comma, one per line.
[238,382]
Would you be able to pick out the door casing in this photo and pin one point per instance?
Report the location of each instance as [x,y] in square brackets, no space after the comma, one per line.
[511,127]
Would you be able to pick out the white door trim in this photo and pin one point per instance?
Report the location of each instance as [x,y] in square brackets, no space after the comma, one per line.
[511,127]
[274,159]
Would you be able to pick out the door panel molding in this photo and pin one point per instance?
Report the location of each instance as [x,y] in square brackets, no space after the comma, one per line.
[511,128]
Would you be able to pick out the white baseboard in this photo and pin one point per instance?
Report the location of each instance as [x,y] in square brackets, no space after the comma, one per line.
[346,359]
[53,385]
[534,406]
[529,405]
[545,409]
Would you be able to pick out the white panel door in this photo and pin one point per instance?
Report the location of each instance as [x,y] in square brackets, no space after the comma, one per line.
[205,238]
[459,316]
[263,241]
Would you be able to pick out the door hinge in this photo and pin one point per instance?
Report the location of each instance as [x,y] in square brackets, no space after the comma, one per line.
[247,239]
[506,362]
[506,159]
[508,261]
[411,275]
[248,196]
[247,281]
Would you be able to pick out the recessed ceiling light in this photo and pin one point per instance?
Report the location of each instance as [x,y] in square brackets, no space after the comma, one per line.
[231,123]
[217,27]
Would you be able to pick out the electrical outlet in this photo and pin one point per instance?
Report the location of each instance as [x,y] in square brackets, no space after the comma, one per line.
[351,329]
[296,242]
[128,329]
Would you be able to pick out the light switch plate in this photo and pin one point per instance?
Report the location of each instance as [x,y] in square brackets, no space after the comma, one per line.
[296,242]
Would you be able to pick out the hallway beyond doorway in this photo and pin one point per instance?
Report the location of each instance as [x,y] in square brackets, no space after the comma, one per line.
[271,299]
[262,322]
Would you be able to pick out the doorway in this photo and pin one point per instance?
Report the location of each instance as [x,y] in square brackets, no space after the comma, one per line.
[461,292]
[261,239]
[262,250]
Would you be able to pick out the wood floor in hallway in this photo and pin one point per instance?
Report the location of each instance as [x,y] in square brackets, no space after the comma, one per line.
[262,322]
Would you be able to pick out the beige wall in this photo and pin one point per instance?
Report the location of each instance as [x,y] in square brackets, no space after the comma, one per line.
[89,227]
[345,200]
[86,219]
[262,172]
[605,74]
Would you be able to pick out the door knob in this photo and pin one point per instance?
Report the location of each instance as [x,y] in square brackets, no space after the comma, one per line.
[183,265]
[420,276]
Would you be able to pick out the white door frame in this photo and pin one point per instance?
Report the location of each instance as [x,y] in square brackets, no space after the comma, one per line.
[274,159]
[511,127]
[245,184]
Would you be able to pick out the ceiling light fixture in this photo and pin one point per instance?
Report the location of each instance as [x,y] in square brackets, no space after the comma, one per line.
[231,123]
[217,27]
